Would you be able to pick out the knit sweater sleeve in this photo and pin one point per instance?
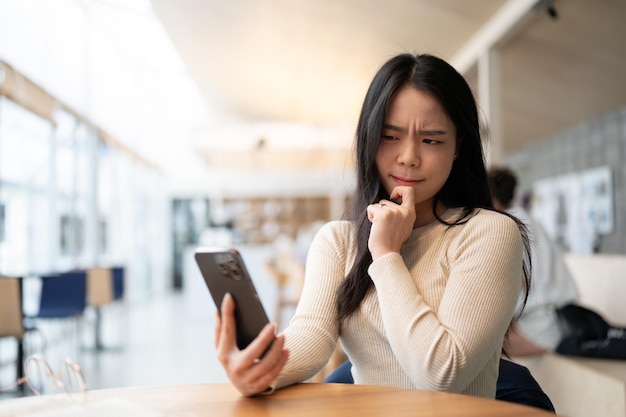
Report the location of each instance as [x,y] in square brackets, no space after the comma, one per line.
[312,333]
[445,347]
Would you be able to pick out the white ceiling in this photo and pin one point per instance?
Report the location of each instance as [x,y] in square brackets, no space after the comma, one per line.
[308,63]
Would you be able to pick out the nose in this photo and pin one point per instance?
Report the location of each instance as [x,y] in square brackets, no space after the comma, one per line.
[409,154]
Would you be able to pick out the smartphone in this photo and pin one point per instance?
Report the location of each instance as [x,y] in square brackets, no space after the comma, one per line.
[224,272]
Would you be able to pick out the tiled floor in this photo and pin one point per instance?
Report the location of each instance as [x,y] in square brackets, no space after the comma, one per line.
[167,339]
[161,344]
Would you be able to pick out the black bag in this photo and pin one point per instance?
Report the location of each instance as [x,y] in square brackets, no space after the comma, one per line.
[587,333]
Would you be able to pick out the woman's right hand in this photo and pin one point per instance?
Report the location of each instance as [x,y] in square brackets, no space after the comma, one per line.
[392,220]
[249,374]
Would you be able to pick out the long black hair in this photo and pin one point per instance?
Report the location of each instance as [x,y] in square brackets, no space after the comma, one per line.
[467,186]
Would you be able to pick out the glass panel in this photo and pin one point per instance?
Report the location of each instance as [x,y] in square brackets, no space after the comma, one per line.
[159,241]
[24,195]
[84,199]
[25,146]
[65,173]
[105,201]
[24,181]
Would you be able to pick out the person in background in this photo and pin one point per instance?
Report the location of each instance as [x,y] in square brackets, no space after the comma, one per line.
[420,282]
[536,329]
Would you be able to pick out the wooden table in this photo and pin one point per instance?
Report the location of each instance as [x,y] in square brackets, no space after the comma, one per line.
[303,400]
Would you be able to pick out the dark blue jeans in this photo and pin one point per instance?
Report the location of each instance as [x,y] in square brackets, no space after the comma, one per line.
[515,384]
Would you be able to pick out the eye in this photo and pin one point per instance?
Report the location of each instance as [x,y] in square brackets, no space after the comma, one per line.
[389,137]
[431,141]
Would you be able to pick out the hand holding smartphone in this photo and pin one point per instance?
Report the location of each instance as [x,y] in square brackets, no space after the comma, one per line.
[224,272]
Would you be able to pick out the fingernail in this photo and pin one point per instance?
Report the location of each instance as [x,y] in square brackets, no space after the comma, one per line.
[226,297]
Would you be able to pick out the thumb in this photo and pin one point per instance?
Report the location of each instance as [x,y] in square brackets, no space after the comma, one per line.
[406,194]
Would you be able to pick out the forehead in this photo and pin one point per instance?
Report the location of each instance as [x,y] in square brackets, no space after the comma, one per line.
[409,101]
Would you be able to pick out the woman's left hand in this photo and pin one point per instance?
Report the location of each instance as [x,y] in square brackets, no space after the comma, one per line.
[392,223]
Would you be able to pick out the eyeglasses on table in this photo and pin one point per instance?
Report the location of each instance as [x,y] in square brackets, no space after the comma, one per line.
[40,378]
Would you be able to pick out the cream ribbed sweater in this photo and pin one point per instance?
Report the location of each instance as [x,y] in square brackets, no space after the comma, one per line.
[437,317]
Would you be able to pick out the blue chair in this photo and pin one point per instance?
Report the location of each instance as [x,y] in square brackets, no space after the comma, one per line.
[341,375]
[63,297]
[515,384]
[118,282]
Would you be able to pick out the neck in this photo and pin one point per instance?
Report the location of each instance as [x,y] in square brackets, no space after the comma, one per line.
[426,218]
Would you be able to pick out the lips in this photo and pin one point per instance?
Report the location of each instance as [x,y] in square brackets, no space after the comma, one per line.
[405,181]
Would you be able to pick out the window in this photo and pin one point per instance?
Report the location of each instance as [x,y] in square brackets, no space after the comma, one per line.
[24,189]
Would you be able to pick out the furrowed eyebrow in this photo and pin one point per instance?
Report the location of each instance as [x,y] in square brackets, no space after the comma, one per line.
[432,132]
[421,132]
[392,127]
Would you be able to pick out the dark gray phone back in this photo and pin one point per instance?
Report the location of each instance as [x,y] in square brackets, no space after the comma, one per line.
[224,272]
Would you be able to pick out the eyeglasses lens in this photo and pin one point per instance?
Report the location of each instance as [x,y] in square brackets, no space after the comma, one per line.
[40,377]
[72,378]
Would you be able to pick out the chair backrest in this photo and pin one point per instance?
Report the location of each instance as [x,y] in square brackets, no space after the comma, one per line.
[118,282]
[516,384]
[11,308]
[341,375]
[63,295]
[99,286]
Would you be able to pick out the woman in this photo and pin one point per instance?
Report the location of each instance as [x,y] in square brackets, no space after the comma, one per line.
[421,283]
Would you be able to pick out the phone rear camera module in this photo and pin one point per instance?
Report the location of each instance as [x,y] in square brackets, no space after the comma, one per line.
[228,267]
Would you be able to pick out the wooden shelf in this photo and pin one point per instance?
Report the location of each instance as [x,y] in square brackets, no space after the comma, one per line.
[262,219]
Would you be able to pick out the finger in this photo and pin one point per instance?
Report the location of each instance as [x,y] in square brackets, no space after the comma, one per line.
[260,343]
[371,209]
[267,369]
[269,376]
[228,338]
[406,194]
[218,327]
